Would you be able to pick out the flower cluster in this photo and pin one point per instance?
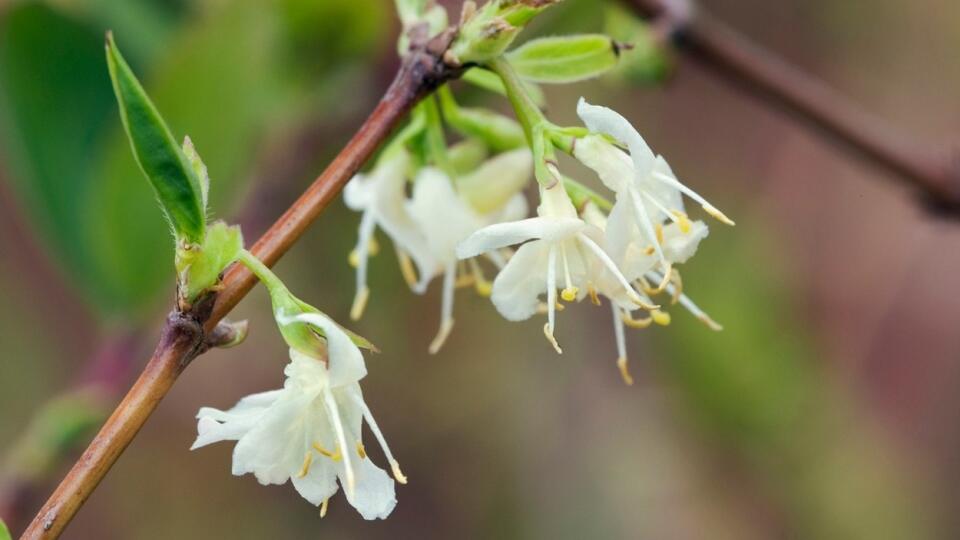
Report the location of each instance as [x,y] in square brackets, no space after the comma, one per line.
[627,251]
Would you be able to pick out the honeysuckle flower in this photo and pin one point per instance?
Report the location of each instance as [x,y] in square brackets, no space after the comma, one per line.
[446,216]
[380,195]
[309,432]
[642,181]
[639,267]
[557,248]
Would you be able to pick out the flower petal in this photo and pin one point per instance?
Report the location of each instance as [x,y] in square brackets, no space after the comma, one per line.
[346,364]
[604,120]
[214,425]
[678,246]
[612,165]
[507,234]
[443,218]
[374,495]
[518,286]
[273,450]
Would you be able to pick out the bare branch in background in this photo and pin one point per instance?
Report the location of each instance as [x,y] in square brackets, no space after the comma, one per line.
[932,170]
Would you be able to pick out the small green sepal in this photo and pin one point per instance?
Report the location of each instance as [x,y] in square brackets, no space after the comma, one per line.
[199,266]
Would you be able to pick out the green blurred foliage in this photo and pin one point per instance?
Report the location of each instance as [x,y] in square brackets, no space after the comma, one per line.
[231,73]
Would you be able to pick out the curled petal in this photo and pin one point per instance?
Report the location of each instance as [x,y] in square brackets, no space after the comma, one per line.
[518,286]
[507,234]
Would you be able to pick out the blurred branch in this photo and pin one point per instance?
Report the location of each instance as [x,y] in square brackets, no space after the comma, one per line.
[933,172]
[183,337]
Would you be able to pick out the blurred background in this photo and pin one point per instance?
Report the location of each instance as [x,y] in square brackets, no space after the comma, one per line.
[826,409]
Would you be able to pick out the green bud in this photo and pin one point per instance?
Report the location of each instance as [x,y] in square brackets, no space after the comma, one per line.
[415,12]
[467,155]
[486,33]
[565,59]
[499,132]
[169,171]
[199,267]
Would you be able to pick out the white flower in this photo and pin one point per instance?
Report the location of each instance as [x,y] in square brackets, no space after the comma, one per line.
[559,243]
[310,430]
[380,196]
[638,266]
[446,217]
[643,181]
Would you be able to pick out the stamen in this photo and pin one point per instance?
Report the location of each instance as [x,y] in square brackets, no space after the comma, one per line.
[361,451]
[635,323]
[334,413]
[481,285]
[660,317]
[690,306]
[612,267]
[677,283]
[360,303]
[406,268]
[683,221]
[594,298]
[666,279]
[569,293]
[646,223]
[305,468]
[464,278]
[673,215]
[326,453]
[650,250]
[709,208]
[324,506]
[372,424]
[446,310]
[551,292]
[624,370]
[621,344]
[659,233]
[550,337]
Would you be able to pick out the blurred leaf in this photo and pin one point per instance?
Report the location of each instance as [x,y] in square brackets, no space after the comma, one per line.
[565,59]
[4,532]
[489,81]
[55,95]
[170,173]
[648,61]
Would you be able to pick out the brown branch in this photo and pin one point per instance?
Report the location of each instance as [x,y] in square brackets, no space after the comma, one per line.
[933,172]
[183,335]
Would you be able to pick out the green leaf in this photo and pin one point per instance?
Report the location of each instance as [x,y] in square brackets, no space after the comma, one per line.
[565,59]
[169,171]
[4,532]
[200,269]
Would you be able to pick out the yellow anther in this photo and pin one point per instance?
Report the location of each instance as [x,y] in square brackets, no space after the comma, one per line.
[660,317]
[553,341]
[360,303]
[373,248]
[445,328]
[677,287]
[560,307]
[361,451]
[354,259]
[718,215]
[483,287]
[406,268]
[307,461]
[324,506]
[593,296]
[326,453]
[636,323]
[659,233]
[397,473]
[624,371]
[683,221]
[464,280]
[649,251]
[569,294]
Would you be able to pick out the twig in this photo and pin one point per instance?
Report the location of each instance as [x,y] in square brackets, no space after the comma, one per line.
[933,172]
[183,335]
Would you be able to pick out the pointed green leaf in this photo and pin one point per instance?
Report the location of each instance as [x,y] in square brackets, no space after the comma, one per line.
[565,59]
[4,532]
[169,171]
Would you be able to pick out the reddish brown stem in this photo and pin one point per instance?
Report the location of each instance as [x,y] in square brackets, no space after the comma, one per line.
[183,335]
[933,172]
